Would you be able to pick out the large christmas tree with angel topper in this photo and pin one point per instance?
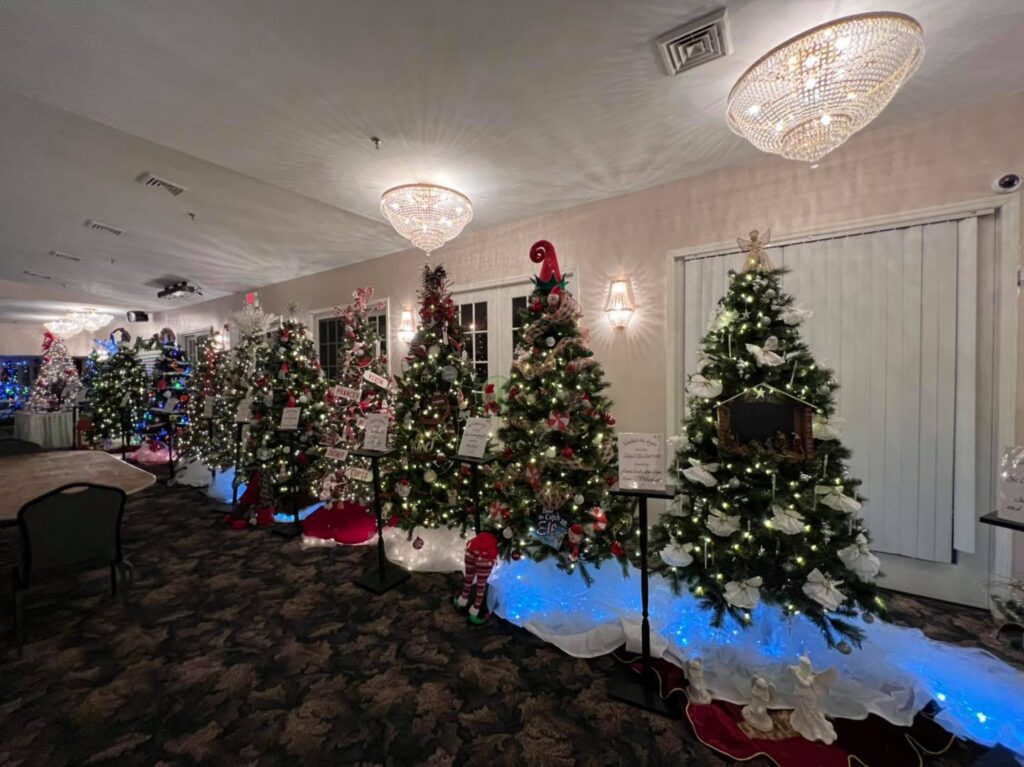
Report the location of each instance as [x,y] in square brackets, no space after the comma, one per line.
[362,387]
[57,385]
[435,396]
[117,392]
[767,511]
[551,491]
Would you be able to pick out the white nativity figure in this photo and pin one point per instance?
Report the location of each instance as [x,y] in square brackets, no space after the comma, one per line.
[702,473]
[824,428]
[756,712]
[787,521]
[721,524]
[744,594]
[823,590]
[677,554]
[765,356]
[858,558]
[834,497]
[794,315]
[704,387]
[808,719]
[696,690]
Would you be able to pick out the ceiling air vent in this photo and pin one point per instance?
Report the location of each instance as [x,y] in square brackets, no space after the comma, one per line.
[65,256]
[99,226]
[696,43]
[148,179]
[37,275]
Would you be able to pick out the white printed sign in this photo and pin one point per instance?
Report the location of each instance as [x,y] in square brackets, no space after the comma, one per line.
[290,418]
[1010,501]
[337,453]
[642,461]
[474,437]
[244,412]
[359,473]
[376,435]
[347,392]
[375,379]
[171,403]
[125,399]
[207,408]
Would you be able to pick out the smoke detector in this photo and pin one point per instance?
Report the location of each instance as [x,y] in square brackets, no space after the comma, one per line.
[154,182]
[179,290]
[696,43]
[99,226]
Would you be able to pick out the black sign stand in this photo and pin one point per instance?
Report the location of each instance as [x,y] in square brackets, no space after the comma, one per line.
[124,434]
[74,425]
[641,690]
[171,428]
[475,464]
[294,530]
[239,425]
[387,574]
[209,441]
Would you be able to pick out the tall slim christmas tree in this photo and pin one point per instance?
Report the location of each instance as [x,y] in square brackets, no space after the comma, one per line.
[362,387]
[117,394]
[57,386]
[168,394]
[551,497]
[288,376]
[435,397]
[767,511]
[205,430]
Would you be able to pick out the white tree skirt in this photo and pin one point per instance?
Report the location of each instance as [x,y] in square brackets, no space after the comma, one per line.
[443,549]
[191,472]
[895,674]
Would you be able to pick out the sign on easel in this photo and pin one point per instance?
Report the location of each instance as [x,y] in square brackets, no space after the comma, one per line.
[244,412]
[290,418]
[642,461]
[346,392]
[474,437]
[376,380]
[337,453]
[376,435]
[359,474]
[1010,498]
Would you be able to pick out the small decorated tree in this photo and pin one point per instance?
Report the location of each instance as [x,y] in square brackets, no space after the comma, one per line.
[206,429]
[435,397]
[767,511]
[168,395]
[288,375]
[57,385]
[551,497]
[362,387]
[117,394]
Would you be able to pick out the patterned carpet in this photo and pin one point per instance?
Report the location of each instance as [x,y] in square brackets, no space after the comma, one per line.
[243,649]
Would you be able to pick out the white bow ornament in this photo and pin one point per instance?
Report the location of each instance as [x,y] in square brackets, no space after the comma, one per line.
[721,524]
[765,356]
[786,521]
[723,319]
[827,428]
[794,315]
[744,594]
[703,387]
[859,560]
[677,555]
[833,497]
[822,590]
[702,473]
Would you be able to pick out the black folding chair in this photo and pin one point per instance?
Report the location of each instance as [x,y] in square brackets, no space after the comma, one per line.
[12,446]
[73,528]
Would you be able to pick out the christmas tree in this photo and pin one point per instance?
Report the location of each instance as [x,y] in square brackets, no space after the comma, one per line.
[435,397]
[117,394]
[205,385]
[13,389]
[559,462]
[57,386]
[362,387]
[767,511]
[288,375]
[168,393]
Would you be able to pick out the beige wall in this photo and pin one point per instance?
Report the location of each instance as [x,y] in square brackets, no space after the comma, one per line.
[25,338]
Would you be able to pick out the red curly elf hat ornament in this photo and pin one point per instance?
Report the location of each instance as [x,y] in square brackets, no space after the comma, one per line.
[550,281]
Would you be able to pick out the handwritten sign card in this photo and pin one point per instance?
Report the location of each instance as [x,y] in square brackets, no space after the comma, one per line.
[290,418]
[474,437]
[1010,501]
[346,392]
[337,453]
[376,380]
[376,435]
[641,461]
[244,412]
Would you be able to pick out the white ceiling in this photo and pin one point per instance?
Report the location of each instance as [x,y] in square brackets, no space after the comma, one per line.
[264,110]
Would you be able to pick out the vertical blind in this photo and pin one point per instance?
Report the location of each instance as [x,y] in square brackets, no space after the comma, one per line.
[895,316]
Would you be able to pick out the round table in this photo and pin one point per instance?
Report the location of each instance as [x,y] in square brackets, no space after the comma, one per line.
[49,430]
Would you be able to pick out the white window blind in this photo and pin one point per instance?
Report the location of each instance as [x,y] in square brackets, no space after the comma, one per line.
[895,315]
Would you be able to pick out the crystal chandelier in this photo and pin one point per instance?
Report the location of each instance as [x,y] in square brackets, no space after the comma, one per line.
[426,215]
[63,327]
[804,98]
[91,320]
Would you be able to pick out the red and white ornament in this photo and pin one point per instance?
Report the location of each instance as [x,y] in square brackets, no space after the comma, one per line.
[558,420]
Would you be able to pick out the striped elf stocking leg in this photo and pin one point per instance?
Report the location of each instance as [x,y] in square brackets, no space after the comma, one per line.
[483,572]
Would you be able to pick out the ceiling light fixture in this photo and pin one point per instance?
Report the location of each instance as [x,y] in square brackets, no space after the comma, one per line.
[91,320]
[426,215]
[804,98]
[63,327]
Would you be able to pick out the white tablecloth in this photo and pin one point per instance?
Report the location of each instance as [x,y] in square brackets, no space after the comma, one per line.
[46,429]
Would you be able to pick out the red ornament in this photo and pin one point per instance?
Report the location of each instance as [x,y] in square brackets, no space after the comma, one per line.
[617,549]
[517,555]
[610,420]
[536,305]
[567,452]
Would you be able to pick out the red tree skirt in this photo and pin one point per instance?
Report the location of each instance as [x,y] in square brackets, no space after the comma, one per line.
[872,742]
[349,524]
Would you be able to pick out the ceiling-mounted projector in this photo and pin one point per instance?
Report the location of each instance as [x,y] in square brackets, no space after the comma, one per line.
[179,290]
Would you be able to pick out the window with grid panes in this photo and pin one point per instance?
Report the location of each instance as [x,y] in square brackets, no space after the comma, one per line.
[330,334]
[519,320]
[379,322]
[473,317]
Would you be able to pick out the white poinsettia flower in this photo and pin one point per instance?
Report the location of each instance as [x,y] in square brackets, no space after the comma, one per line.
[723,319]
[834,497]
[704,387]
[744,594]
[702,473]
[825,428]
[823,590]
[787,521]
[765,355]
[859,560]
[721,524]
[794,315]
[677,554]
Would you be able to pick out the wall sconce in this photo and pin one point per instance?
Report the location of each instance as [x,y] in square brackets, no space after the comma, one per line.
[407,328]
[620,304]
